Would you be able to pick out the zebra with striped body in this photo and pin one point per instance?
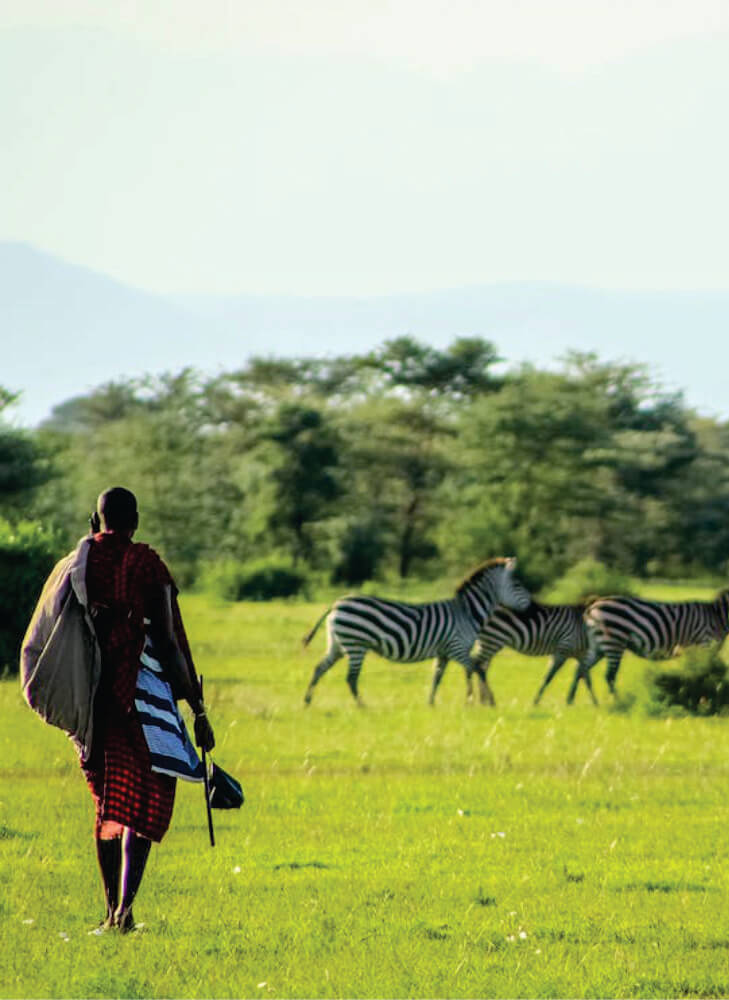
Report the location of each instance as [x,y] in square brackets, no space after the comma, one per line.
[408,633]
[556,630]
[651,629]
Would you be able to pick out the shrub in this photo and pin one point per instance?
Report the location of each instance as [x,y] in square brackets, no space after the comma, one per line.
[697,685]
[587,578]
[361,551]
[28,553]
[263,580]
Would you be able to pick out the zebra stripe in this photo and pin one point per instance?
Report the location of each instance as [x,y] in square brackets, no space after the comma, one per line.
[556,630]
[394,630]
[408,633]
[651,629]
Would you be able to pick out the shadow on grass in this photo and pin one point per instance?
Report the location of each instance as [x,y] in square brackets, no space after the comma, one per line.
[295,865]
[7,834]
[665,887]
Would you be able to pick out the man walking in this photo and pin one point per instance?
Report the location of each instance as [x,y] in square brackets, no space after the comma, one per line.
[132,600]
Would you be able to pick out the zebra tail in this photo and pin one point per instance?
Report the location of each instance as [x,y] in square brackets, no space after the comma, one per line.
[310,635]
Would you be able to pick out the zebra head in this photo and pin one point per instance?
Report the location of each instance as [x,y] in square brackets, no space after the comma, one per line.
[492,583]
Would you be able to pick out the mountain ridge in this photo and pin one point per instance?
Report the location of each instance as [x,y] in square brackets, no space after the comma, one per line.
[68,328]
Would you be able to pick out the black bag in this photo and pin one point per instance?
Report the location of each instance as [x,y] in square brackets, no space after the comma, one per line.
[225,792]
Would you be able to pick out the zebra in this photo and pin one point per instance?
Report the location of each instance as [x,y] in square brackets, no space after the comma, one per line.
[408,633]
[556,630]
[656,630]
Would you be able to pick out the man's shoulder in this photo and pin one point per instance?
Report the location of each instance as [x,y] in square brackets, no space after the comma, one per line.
[144,551]
[144,554]
[71,559]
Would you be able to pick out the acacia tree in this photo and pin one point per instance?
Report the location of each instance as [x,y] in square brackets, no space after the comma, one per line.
[427,375]
[24,464]
[391,411]
[161,445]
[697,497]
[398,445]
[300,452]
[394,461]
[654,455]
[583,462]
[27,548]
[531,481]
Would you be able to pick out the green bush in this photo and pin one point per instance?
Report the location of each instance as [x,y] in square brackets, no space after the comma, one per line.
[28,553]
[263,580]
[587,578]
[697,685]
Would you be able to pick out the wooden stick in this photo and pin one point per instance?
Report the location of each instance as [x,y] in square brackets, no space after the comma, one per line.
[206,786]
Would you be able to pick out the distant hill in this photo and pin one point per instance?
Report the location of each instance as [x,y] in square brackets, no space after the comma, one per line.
[66,329]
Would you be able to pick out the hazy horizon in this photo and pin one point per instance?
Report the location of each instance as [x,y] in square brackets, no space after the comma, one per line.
[192,294]
[70,329]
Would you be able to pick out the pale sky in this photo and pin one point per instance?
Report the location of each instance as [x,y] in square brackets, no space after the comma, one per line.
[364,147]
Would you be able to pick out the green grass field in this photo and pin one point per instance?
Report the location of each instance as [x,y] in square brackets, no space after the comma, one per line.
[392,851]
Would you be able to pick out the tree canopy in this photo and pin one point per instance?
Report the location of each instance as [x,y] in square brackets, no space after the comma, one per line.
[405,460]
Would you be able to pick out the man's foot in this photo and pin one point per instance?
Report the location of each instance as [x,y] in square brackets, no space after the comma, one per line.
[107,924]
[125,921]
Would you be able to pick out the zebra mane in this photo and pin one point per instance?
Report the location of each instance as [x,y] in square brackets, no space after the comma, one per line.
[481,570]
[578,605]
[582,604]
[587,600]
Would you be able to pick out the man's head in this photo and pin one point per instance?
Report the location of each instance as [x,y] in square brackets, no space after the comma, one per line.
[117,509]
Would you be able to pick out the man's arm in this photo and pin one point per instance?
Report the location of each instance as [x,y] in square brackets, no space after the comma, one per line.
[171,656]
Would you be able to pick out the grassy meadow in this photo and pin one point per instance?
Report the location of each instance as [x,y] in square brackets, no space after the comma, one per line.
[395,850]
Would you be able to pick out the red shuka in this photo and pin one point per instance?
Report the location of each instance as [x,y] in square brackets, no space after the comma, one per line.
[122,579]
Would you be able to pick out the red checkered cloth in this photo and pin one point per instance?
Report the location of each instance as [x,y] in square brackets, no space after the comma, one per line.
[122,579]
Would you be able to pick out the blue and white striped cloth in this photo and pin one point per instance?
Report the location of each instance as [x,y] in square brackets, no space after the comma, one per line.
[170,748]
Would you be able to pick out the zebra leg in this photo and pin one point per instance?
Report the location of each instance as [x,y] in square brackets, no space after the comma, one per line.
[356,657]
[614,657]
[585,674]
[469,682]
[438,671]
[334,653]
[557,661]
[582,671]
[479,664]
[486,695]
[471,666]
